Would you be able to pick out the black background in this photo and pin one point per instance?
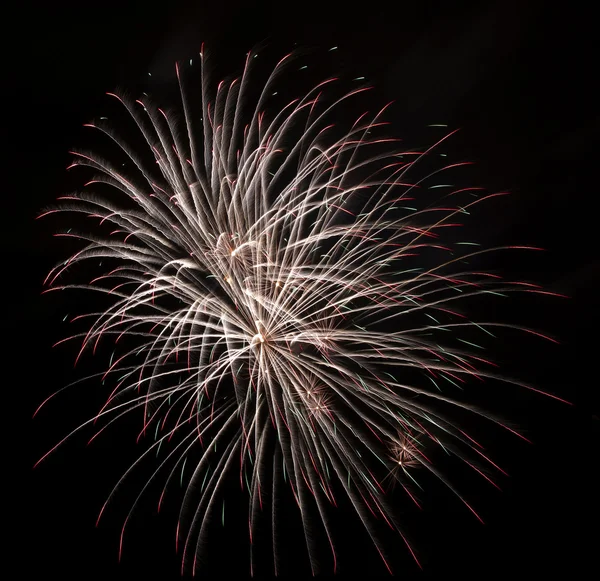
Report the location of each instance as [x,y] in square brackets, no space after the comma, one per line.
[512,75]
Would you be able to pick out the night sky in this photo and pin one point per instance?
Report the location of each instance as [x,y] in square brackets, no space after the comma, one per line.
[508,74]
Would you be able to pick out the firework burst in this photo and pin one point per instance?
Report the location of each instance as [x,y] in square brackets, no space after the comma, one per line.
[287,304]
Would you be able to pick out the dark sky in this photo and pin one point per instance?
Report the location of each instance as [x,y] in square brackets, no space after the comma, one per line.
[510,74]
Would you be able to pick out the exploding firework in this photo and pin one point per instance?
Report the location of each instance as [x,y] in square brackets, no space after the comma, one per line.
[286,305]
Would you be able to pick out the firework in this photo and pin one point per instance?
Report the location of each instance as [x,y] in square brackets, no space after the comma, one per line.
[285,304]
